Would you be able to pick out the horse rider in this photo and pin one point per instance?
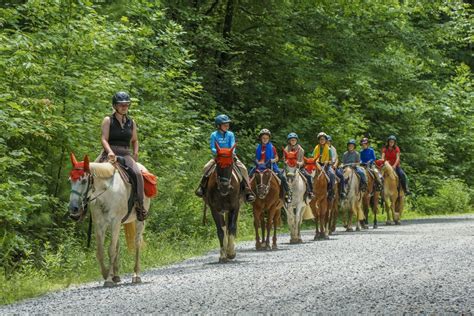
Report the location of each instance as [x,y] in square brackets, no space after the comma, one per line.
[323,156]
[226,139]
[335,163]
[351,158]
[118,132]
[292,145]
[391,153]
[267,156]
[367,158]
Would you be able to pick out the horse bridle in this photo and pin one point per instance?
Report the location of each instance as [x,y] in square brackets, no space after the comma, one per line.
[262,186]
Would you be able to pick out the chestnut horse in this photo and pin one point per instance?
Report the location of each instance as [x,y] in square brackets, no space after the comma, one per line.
[319,205]
[393,195]
[224,193]
[333,208]
[269,201]
[99,186]
[370,198]
[297,183]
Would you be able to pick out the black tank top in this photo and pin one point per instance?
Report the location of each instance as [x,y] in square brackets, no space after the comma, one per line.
[119,136]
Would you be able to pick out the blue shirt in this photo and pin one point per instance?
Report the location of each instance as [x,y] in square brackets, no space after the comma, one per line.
[367,155]
[225,140]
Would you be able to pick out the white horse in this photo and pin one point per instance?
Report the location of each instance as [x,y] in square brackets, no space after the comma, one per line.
[99,186]
[295,209]
[353,201]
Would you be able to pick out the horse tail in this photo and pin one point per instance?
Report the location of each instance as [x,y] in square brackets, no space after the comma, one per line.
[130,233]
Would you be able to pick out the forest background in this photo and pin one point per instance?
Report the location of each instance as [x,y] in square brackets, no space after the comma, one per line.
[349,68]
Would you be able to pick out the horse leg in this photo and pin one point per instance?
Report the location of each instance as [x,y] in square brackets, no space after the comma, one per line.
[256,223]
[116,277]
[115,229]
[138,241]
[269,229]
[274,241]
[299,222]
[349,219]
[233,218]
[291,223]
[100,230]
[221,231]
[374,204]
[387,207]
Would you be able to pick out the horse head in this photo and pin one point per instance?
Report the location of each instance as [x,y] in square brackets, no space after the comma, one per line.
[291,163]
[311,165]
[263,180]
[224,162]
[80,185]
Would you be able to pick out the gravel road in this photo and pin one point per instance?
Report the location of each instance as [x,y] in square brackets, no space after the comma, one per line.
[423,266]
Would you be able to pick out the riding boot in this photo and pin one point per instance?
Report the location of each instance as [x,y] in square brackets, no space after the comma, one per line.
[403,180]
[342,191]
[285,186]
[309,184]
[201,190]
[249,196]
[142,213]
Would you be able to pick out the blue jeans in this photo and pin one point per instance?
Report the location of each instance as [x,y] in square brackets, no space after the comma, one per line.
[361,173]
[403,178]
[342,183]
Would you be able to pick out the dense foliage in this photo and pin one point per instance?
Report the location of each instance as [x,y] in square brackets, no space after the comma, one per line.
[350,69]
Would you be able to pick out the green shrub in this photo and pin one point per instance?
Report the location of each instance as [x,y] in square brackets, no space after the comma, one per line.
[453,196]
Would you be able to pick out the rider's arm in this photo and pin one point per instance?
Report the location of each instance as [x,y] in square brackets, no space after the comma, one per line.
[275,154]
[212,142]
[383,154]
[398,159]
[105,137]
[372,156]
[135,141]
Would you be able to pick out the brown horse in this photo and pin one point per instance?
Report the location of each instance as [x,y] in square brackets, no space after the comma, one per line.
[393,195]
[333,208]
[319,205]
[370,199]
[352,204]
[265,184]
[224,198]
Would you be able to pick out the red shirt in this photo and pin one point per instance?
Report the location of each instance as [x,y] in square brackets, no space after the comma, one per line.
[391,155]
[264,148]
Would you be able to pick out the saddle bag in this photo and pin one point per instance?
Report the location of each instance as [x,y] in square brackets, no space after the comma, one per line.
[150,184]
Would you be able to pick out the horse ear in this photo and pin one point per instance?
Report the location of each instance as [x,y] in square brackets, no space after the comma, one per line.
[73,159]
[217,146]
[86,163]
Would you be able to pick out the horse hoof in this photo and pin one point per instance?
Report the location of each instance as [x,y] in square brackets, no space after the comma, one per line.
[398,223]
[223,260]
[293,241]
[231,256]
[109,284]
[349,229]
[116,279]
[345,226]
[315,237]
[365,227]
[300,241]
[326,237]
[388,223]
[268,247]
[357,229]
[136,280]
[274,247]
[376,226]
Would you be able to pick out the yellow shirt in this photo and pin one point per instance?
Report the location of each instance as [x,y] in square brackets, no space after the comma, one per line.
[323,154]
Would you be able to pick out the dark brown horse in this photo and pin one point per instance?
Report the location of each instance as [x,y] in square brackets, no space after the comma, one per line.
[333,208]
[370,199]
[269,202]
[224,198]
[319,205]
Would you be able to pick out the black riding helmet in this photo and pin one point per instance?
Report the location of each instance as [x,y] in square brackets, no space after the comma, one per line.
[120,97]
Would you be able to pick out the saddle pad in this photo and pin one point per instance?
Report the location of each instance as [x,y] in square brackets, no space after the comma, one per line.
[150,184]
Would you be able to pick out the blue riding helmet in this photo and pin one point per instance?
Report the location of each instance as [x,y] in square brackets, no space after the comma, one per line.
[291,135]
[222,119]
[352,142]
[329,138]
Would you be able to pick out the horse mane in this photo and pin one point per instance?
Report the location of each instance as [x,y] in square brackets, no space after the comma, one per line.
[389,170]
[102,170]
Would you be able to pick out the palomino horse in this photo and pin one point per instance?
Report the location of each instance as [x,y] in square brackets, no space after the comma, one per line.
[393,195]
[224,197]
[319,205]
[370,199]
[100,186]
[265,184]
[295,209]
[352,204]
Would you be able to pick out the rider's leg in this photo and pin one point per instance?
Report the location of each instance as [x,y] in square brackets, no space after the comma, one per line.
[342,183]
[285,185]
[403,179]
[309,185]
[201,190]
[363,178]
[332,180]
[142,213]
[249,196]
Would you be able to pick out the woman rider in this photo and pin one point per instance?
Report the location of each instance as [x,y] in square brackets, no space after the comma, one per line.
[293,145]
[391,153]
[351,158]
[118,131]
